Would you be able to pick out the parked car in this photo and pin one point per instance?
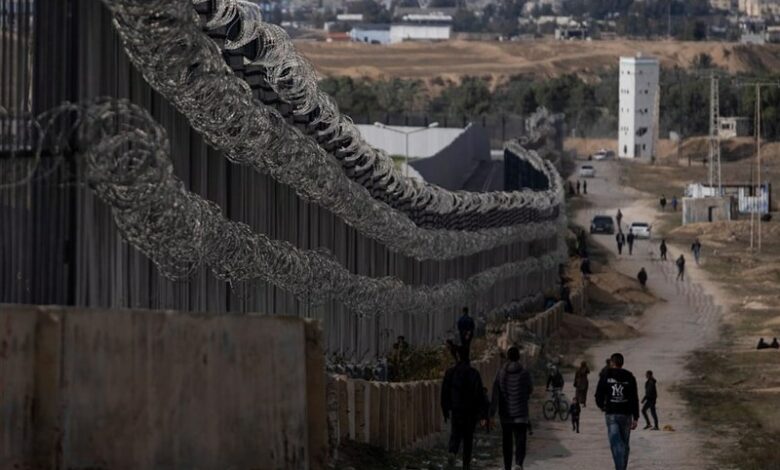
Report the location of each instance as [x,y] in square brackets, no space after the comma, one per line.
[640,229]
[587,171]
[603,154]
[602,224]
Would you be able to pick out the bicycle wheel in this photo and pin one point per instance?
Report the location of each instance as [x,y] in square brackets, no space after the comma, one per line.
[548,409]
[563,410]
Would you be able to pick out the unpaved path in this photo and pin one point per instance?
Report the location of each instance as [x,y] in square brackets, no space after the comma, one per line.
[687,319]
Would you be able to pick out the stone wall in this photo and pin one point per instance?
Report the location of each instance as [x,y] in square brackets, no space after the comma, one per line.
[99,389]
[396,416]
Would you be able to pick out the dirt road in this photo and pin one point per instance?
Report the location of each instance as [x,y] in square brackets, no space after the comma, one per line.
[687,319]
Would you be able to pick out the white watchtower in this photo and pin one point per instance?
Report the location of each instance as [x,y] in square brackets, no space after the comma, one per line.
[639,97]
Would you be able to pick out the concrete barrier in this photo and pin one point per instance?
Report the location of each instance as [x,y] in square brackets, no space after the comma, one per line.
[148,389]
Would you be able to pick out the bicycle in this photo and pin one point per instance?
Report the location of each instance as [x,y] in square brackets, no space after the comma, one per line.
[557,405]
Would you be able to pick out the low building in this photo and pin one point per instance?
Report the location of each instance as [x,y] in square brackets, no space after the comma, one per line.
[371,33]
[710,209]
[731,127]
[567,33]
[773,34]
[420,31]
[749,198]
[446,156]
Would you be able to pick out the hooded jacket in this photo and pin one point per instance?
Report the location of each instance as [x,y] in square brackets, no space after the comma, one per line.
[511,391]
[617,393]
[462,392]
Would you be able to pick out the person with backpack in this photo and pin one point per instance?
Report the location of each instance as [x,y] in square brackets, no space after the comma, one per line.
[617,396]
[512,389]
[463,403]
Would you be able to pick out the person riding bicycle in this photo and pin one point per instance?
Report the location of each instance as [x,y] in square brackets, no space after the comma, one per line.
[555,381]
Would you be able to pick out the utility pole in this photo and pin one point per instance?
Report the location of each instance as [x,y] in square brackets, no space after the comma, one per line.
[758,159]
[715,173]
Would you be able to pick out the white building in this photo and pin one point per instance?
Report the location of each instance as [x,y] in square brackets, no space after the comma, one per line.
[419,32]
[638,107]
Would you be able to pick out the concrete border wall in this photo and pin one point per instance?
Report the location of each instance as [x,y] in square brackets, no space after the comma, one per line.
[115,389]
[402,415]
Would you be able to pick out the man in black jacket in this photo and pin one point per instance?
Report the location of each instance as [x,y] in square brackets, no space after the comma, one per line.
[463,402]
[617,396]
[466,328]
[511,391]
[651,395]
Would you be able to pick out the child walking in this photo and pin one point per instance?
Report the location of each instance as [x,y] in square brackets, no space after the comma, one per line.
[574,412]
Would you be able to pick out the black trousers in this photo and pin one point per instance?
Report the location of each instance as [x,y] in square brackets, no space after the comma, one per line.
[462,430]
[575,423]
[650,405]
[514,434]
[620,248]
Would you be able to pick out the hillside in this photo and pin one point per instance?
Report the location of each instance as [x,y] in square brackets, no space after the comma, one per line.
[454,59]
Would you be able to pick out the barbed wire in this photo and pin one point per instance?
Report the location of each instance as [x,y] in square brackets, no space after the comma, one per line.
[127,165]
[182,63]
[275,66]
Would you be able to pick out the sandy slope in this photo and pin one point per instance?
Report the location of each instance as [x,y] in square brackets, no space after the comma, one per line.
[454,59]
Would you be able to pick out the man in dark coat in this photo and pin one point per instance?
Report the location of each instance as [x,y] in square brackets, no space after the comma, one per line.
[651,395]
[621,240]
[511,391]
[664,250]
[630,239]
[642,277]
[463,403]
[617,396]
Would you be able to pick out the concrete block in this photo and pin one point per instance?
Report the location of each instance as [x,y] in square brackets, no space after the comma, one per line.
[378,417]
[361,411]
[394,419]
[343,410]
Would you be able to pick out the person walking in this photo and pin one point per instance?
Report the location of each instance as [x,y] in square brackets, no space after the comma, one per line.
[581,383]
[578,187]
[674,203]
[696,249]
[617,396]
[574,412]
[619,218]
[630,239]
[463,404]
[681,268]
[642,277]
[621,240]
[651,395]
[584,186]
[663,203]
[604,369]
[466,328]
[664,249]
[512,389]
